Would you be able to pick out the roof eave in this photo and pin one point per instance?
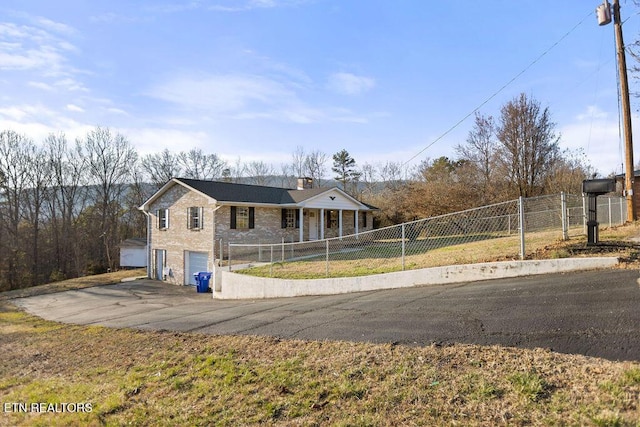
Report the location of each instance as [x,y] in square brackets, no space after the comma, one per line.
[164,188]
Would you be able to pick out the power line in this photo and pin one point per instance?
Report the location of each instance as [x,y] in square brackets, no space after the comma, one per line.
[496,93]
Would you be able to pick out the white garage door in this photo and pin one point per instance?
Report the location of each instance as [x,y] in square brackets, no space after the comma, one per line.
[196,262]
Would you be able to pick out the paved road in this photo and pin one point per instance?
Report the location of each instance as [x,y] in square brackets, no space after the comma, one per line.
[590,313]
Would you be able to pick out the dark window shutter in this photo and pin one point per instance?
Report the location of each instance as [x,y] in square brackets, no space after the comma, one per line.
[297,218]
[283,218]
[328,219]
[252,217]
[364,219]
[233,217]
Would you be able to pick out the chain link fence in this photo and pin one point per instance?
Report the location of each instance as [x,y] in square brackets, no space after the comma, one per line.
[475,235]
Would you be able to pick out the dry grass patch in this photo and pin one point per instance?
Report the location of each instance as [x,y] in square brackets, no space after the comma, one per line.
[77,283]
[160,378]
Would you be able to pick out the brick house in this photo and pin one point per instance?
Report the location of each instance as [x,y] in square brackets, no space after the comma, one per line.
[188,219]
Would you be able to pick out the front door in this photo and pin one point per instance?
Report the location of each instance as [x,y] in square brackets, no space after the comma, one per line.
[161,262]
[313,225]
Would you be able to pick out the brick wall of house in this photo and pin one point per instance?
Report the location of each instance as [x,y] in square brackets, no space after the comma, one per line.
[178,239]
[268,227]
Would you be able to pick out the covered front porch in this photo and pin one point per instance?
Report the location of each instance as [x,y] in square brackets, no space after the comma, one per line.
[322,223]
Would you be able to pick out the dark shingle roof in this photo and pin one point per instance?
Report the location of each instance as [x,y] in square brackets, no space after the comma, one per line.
[245,193]
[137,242]
[259,194]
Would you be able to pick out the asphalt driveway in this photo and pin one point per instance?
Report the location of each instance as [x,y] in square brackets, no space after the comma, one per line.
[590,313]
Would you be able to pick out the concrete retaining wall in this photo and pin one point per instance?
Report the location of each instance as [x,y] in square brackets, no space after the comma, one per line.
[231,285]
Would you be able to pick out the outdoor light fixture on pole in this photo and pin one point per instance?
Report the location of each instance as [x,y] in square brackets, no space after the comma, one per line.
[604,17]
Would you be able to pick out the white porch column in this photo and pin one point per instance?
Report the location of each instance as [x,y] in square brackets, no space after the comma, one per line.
[356,225]
[340,223]
[301,225]
[322,224]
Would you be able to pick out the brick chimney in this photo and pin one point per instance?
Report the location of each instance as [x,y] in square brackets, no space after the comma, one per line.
[304,183]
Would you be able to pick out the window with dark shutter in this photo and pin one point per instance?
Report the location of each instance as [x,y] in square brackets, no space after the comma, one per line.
[252,217]
[290,218]
[233,218]
[194,218]
[283,218]
[163,219]
[242,217]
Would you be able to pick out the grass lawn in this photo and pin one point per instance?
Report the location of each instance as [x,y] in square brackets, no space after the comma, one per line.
[161,378]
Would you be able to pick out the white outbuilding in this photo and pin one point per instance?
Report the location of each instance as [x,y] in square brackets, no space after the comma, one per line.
[133,252]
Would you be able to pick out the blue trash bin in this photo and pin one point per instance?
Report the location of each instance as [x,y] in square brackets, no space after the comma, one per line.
[196,277]
[203,281]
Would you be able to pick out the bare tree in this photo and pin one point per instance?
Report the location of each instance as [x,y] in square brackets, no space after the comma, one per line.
[528,145]
[315,166]
[110,161]
[237,171]
[133,223]
[260,172]
[391,174]
[38,179]
[286,176]
[68,198]
[14,169]
[568,173]
[480,152]
[161,167]
[299,162]
[198,165]
[368,177]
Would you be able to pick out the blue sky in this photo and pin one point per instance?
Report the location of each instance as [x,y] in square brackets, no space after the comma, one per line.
[254,79]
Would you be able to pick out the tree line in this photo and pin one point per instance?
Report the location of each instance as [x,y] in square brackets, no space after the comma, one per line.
[66,206]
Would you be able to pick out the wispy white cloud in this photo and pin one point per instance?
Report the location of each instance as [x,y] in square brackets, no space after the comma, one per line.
[154,140]
[53,26]
[41,85]
[597,133]
[37,121]
[71,85]
[248,97]
[118,111]
[593,112]
[350,84]
[74,108]
[31,47]
[222,93]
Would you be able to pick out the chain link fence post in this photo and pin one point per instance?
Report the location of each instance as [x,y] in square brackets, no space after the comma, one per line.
[327,252]
[521,208]
[565,223]
[403,245]
[610,212]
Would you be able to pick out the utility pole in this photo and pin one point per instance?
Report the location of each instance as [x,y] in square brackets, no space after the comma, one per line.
[629,177]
